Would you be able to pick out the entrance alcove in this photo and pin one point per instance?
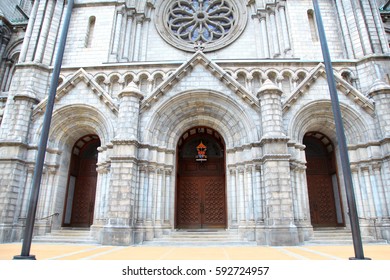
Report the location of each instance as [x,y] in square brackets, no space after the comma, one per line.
[322,181]
[82,179]
[201,183]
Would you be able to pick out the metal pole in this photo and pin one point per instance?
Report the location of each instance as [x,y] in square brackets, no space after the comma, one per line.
[25,254]
[342,142]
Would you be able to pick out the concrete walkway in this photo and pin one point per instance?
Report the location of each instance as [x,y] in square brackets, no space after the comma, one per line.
[93,252]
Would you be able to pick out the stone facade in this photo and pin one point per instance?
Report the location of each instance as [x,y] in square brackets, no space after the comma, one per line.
[259,83]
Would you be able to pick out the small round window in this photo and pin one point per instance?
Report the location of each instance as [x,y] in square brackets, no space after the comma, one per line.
[211,24]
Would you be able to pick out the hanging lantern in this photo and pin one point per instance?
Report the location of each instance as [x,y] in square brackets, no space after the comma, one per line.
[201,149]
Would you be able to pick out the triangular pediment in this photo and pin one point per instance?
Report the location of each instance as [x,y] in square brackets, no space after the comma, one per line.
[342,87]
[80,76]
[199,58]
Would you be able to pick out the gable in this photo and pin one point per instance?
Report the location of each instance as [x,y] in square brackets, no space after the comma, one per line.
[342,87]
[193,75]
[79,77]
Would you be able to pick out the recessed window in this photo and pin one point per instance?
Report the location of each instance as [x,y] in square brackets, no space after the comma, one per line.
[90,31]
[313,25]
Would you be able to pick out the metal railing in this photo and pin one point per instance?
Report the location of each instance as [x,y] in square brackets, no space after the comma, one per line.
[49,217]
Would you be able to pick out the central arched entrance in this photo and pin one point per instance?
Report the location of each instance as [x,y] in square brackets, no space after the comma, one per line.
[201,195]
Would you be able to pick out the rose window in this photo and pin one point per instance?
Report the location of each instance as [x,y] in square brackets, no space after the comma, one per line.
[210,23]
[200,21]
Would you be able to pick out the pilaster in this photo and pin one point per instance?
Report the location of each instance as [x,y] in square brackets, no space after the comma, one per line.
[280,229]
[124,170]
[380,92]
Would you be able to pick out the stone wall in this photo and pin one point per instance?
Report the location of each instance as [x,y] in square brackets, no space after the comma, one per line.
[263,92]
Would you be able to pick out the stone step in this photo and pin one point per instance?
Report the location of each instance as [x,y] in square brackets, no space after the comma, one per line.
[159,243]
[336,236]
[343,242]
[75,236]
[199,238]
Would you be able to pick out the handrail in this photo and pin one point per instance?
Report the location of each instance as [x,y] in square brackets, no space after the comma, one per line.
[45,218]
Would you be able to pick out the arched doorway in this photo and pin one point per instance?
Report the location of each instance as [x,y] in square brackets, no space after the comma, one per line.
[82,178]
[201,195]
[323,187]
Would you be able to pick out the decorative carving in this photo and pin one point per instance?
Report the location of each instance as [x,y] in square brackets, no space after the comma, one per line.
[211,24]
[200,20]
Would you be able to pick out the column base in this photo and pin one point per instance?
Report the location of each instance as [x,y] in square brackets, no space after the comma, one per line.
[117,236]
[282,236]
[6,233]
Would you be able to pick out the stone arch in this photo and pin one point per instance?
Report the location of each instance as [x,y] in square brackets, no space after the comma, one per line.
[128,78]
[70,124]
[241,77]
[348,76]
[286,82]
[74,121]
[157,78]
[318,116]
[143,80]
[200,108]
[272,74]
[301,76]
[8,62]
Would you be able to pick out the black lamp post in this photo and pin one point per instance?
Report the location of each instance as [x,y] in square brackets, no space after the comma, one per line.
[32,208]
[342,143]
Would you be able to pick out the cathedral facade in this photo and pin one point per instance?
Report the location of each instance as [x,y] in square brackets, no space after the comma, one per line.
[195,114]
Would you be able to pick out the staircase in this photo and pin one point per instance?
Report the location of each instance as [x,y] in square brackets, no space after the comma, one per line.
[200,238]
[338,236]
[67,235]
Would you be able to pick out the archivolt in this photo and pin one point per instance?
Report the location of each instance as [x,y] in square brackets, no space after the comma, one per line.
[74,121]
[318,116]
[200,108]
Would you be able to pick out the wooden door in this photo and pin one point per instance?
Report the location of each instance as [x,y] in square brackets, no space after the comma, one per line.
[201,199]
[320,168]
[321,200]
[201,202]
[84,195]
[81,191]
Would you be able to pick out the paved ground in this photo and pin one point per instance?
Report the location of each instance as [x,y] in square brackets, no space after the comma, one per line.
[93,252]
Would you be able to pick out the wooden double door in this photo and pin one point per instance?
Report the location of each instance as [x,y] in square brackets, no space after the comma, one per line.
[201,202]
[201,198]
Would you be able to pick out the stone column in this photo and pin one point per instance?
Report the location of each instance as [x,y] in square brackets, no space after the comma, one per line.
[44,33]
[138,35]
[168,202]
[279,217]
[380,92]
[233,198]
[115,47]
[274,34]
[285,31]
[264,36]
[13,164]
[128,34]
[124,169]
